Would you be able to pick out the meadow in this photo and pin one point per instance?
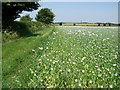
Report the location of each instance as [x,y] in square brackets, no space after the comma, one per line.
[66,57]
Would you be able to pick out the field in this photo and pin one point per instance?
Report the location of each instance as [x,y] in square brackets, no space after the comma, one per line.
[68,56]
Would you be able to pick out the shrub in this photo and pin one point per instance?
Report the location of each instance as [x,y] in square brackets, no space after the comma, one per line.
[21,29]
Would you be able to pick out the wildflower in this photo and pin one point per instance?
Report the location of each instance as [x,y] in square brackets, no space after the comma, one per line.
[74,63]
[83,58]
[31,71]
[93,72]
[76,80]
[116,74]
[79,84]
[41,80]
[39,59]
[111,86]
[101,86]
[53,62]
[51,69]
[68,70]
[103,39]
[115,56]
[60,70]
[33,50]
[83,71]
[114,64]
[54,33]
[90,81]
[46,47]
[41,48]
[35,74]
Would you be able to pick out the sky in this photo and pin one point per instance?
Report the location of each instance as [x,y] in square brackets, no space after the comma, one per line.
[81,11]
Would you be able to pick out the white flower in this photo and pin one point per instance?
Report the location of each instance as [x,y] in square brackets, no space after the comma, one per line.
[60,70]
[41,48]
[101,86]
[76,80]
[114,64]
[116,74]
[33,50]
[103,39]
[115,56]
[31,71]
[46,47]
[51,69]
[54,33]
[93,72]
[68,70]
[107,69]
[108,38]
[39,59]
[79,84]
[47,59]
[111,86]
[74,63]
[90,81]
[83,58]
[35,74]
[99,75]
[53,62]
[41,80]
[83,71]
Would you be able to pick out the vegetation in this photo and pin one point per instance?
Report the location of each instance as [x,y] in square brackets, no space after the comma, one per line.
[17,58]
[40,55]
[45,15]
[26,18]
[22,29]
[68,57]
[11,11]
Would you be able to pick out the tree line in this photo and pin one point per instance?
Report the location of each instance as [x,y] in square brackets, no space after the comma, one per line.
[11,11]
[44,15]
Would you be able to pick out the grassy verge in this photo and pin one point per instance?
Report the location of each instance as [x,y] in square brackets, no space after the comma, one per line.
[17,58]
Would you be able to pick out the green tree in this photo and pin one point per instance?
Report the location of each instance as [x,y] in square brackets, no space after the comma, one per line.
[45,15]
[11,11]
[26,18]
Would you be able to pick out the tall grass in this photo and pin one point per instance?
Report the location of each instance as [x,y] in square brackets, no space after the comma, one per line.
[21,29]
[17,58]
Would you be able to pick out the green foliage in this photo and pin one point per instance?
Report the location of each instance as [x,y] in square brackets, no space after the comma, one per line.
[11,11]
[26,18]
[17,59]
[45,15]
[21,29]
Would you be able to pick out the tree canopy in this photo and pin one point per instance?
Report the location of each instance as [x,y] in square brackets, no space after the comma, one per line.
[11,10]
[26,18]
[45,15]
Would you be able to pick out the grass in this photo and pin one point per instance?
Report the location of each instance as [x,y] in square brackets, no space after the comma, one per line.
[17,58]
[69,57]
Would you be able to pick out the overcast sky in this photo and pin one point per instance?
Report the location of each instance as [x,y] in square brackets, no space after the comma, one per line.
[81,11]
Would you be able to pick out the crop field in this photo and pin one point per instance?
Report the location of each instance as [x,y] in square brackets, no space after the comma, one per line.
[70,57]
